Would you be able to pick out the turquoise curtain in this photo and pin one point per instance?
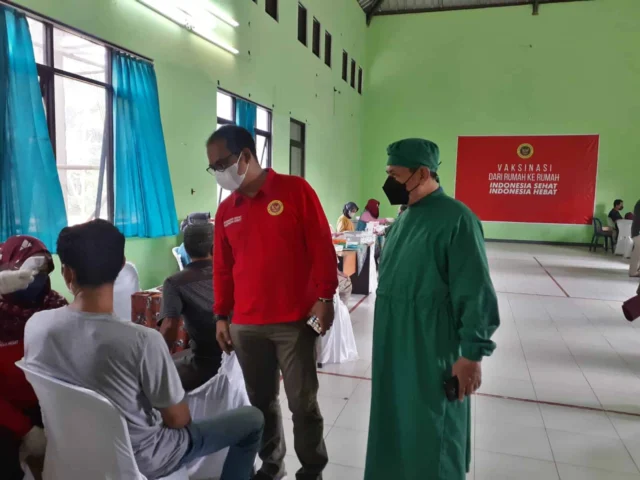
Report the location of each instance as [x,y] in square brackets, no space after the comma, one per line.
[246,113]
[144,204]
[31,200]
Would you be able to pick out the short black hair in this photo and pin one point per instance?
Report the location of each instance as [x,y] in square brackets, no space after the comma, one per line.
[198,240]
[617,203]
[236,138]
[94,251]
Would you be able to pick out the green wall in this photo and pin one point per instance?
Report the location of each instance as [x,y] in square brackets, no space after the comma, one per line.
[574,69]
[279,73]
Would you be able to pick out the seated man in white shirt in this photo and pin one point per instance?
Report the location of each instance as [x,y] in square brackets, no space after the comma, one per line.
[85,344]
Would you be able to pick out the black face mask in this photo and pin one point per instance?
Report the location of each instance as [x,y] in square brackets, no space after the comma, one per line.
[397,192]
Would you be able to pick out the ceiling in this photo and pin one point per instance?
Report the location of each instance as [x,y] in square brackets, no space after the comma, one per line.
[389,7]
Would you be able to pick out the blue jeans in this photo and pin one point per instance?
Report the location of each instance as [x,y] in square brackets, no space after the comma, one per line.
[239,429]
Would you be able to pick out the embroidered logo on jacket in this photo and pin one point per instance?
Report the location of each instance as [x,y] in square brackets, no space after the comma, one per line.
[232,220]
[275,208]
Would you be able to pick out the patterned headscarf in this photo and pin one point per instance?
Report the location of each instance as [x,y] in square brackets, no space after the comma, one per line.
[14,315]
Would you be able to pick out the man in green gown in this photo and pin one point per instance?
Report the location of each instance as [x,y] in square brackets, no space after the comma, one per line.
[436,310]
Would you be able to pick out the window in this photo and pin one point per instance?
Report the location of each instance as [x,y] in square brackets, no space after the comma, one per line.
[297,148]
[360,81]
[226,112]
[75,82]
[302,24]
[353,73]
[327,49]
[345,65]
[271,7]
[316,38]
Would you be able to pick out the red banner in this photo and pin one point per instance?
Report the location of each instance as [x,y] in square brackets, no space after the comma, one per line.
[529,179]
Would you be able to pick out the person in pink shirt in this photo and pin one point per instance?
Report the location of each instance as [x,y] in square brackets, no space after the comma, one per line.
[371,214]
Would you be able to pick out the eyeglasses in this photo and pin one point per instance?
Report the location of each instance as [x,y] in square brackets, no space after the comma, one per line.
[220,166]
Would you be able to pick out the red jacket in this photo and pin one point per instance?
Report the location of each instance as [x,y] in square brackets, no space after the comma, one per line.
[16,394]
[273,254]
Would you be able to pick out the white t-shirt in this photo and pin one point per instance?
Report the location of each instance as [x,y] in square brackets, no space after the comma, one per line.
[127,363]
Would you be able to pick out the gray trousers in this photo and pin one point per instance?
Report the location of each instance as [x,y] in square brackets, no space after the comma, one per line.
[263,352]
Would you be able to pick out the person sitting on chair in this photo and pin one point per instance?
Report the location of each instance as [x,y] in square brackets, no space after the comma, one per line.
[615,214]
[188,295]
[86,345]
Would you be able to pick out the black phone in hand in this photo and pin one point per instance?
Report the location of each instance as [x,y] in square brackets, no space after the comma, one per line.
[452,389]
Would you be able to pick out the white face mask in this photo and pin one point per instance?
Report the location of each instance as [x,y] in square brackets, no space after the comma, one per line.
[230,179]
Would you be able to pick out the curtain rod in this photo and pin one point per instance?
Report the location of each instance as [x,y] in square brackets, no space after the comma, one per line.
[74,30]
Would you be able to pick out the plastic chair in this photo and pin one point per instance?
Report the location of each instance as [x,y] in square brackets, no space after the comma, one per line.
[222,393]
[87,438]
[598,233]
[125,286]
[176,254]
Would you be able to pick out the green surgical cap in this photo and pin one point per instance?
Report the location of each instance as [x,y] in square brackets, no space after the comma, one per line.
[414,153]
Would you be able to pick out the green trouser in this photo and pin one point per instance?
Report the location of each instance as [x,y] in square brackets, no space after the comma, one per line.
[263,352]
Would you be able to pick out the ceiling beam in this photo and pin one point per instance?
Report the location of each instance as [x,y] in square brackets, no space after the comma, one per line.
[468,7]
[372,12]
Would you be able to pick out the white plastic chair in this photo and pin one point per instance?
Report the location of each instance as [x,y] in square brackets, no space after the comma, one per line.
[339,344]
[624,245]
[125,286]
[222,393]
[87,438]
[176,255]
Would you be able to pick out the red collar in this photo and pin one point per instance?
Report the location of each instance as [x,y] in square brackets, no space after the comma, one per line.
[266,188]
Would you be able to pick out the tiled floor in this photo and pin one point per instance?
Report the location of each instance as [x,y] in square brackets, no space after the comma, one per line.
[561,395]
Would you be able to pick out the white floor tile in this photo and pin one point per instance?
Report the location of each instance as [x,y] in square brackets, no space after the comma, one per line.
[507,387]
[495,466]
[355,416]
[572,472]
[494,410]
[578,421]
[339,472]
[512,439]
[591,451]
[347,447]
[337,387]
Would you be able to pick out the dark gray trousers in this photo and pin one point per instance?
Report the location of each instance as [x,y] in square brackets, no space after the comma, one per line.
[263,352]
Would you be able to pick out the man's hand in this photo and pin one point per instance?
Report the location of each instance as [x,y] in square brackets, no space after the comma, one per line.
[469,375]
[325,314]
[223,336]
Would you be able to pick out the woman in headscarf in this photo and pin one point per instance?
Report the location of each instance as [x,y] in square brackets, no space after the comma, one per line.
[345,222]
[25,288]
[371,214]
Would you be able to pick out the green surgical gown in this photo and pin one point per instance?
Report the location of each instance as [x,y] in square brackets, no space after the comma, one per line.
[435,302]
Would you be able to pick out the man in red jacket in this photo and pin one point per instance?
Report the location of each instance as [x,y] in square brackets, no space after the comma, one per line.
[274,267]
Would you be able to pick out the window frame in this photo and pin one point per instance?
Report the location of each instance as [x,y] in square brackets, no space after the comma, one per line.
[268,135]
[328,47]
[272,8]
[345,66]
[360,75]
[316,37]
[353,73]
[303,30]
[48,72]
[300,144]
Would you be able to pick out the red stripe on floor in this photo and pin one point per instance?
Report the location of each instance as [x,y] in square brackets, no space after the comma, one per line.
[359,303]
[515,399]
[551,277]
